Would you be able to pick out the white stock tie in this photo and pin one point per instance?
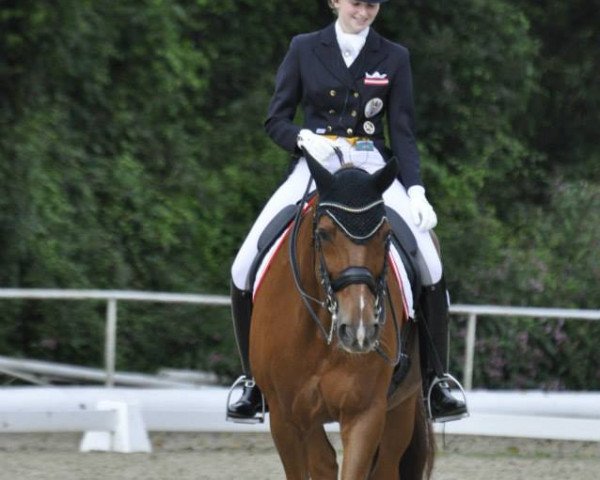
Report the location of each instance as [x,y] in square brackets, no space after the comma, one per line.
[350,43]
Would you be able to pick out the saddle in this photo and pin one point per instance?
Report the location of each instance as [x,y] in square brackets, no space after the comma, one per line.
[406,246]
[269,236]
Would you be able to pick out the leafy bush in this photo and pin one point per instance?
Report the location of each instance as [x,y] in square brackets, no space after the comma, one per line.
[132,156]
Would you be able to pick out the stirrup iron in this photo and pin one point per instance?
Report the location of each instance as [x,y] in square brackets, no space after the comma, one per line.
[243,381]
[449,379]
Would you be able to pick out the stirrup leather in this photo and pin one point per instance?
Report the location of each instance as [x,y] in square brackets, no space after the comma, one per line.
[243,381]
[446,378]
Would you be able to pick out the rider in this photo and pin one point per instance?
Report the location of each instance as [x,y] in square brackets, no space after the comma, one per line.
[348,78]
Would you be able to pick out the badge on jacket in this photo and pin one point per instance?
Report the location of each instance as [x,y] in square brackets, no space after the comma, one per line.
[373,107]
[376,78]
[369,127]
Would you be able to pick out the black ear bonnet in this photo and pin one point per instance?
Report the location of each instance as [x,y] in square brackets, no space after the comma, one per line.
[352,197]
[353,201]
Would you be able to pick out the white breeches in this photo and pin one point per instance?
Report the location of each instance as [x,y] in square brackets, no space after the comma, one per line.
[291,192]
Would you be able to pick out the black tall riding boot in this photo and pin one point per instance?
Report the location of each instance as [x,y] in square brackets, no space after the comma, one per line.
[250,402]
[434,344]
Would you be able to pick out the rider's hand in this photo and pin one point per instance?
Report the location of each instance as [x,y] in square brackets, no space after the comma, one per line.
[317,146]
[422,212]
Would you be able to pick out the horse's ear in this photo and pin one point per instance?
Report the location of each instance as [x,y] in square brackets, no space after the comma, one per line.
[386,175]
[322,177]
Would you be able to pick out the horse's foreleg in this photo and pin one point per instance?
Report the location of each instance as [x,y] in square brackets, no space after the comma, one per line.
[322,462]
[290,445]
[397,434]
[360,437]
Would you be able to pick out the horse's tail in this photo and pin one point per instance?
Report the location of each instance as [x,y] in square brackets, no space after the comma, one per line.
[417,461]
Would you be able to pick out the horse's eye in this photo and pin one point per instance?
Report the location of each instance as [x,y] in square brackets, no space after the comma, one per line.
[323,235]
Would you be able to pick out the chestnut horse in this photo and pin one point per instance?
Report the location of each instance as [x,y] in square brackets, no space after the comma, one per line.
[325,340]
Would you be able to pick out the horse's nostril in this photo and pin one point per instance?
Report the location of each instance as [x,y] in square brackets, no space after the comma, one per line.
[374,333]
[343,330]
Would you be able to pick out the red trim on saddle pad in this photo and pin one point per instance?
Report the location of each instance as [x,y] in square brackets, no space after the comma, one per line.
[400,285]
[275,250]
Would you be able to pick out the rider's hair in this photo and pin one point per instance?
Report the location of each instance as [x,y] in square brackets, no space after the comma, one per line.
[332,6]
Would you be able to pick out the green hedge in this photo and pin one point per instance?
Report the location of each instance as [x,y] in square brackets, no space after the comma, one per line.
[132,156]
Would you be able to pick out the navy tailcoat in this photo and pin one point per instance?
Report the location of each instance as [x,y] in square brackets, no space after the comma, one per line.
[347,101]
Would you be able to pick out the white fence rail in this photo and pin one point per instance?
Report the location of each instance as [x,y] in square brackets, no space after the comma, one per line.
[111,297]
[119,419]
[473,312]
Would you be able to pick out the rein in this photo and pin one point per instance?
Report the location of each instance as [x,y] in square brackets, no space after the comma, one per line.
[306,298]
[351,275]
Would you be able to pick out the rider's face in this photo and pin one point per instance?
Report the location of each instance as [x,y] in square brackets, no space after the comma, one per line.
[355,16]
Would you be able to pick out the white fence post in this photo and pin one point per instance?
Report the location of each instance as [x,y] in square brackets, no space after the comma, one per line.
[110,346]
[470,351]
[127,435]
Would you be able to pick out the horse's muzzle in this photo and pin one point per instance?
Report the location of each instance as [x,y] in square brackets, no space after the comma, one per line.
[358,338]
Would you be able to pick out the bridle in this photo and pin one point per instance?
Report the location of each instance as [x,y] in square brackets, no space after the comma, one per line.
[352,275]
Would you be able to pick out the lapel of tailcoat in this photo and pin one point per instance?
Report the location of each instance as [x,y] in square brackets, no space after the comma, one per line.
[371,55]
[328,52]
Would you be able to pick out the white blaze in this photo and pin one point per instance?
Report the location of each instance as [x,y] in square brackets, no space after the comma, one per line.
[360,332]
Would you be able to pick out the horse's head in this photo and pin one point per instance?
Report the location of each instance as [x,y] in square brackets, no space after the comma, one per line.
[352,237]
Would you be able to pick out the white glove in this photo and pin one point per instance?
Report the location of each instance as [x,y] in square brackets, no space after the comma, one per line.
[422,212]
[318,147]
